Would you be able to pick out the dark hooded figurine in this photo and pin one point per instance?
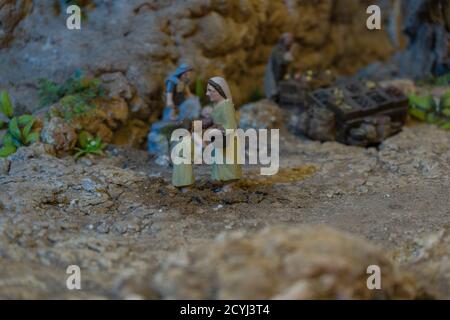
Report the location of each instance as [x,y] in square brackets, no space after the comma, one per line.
[277,68]
[177,90]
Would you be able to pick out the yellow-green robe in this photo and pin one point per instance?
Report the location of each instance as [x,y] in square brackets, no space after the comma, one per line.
[225,115]
[182,174]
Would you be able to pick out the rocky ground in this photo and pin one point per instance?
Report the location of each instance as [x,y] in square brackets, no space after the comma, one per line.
[309,232]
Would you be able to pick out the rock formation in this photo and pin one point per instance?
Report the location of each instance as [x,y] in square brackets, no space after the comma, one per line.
[282,263]
[423,34]
[146,39]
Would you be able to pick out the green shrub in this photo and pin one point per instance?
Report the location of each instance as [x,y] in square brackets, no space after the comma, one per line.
[49,92]
[20,129]
[420,106]
[76,95]
[436,81]
[75,106]
[445,101]
[89,145]
[425,108]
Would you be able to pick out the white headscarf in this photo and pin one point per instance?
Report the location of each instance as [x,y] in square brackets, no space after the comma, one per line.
[224,85]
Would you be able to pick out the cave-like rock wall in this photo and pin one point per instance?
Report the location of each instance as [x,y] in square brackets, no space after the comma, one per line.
[144,40]
[11,13]
[420,30]
[427,26]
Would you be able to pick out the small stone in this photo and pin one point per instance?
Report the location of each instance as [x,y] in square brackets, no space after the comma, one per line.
[4,166]
[121,227]
[87,162]
[363,189]
[89,185]
[103,228]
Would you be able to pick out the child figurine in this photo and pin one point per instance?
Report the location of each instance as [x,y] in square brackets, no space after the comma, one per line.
[223,117]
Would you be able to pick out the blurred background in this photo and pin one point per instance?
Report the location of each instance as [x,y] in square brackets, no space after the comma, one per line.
[143,41]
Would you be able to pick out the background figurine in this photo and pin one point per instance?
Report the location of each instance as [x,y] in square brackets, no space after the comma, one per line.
[177,92]
[278,65]
[223,117]
[181,107]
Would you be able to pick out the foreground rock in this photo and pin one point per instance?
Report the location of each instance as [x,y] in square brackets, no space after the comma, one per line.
[282,263]
[429,258]
[118,218]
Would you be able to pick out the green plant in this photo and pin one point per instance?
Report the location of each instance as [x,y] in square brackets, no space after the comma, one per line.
[75,95]
[49,92]
[20,129]
[420,106]
[444,104]
[426,109]
[74,106]
[89,145]
[256,95]
[436,81]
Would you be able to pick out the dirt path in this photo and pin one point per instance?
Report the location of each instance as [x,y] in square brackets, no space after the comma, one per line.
[118,217]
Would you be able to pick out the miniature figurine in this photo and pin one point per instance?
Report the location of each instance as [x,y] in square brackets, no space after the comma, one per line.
[277,68]
[177,90]
[181,106]
[223,117]
[183,174]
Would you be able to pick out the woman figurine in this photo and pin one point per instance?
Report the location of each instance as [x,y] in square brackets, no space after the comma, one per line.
[223,118]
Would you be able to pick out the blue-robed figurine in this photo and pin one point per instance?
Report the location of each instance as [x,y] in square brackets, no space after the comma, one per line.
[177,90]
[180,105]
